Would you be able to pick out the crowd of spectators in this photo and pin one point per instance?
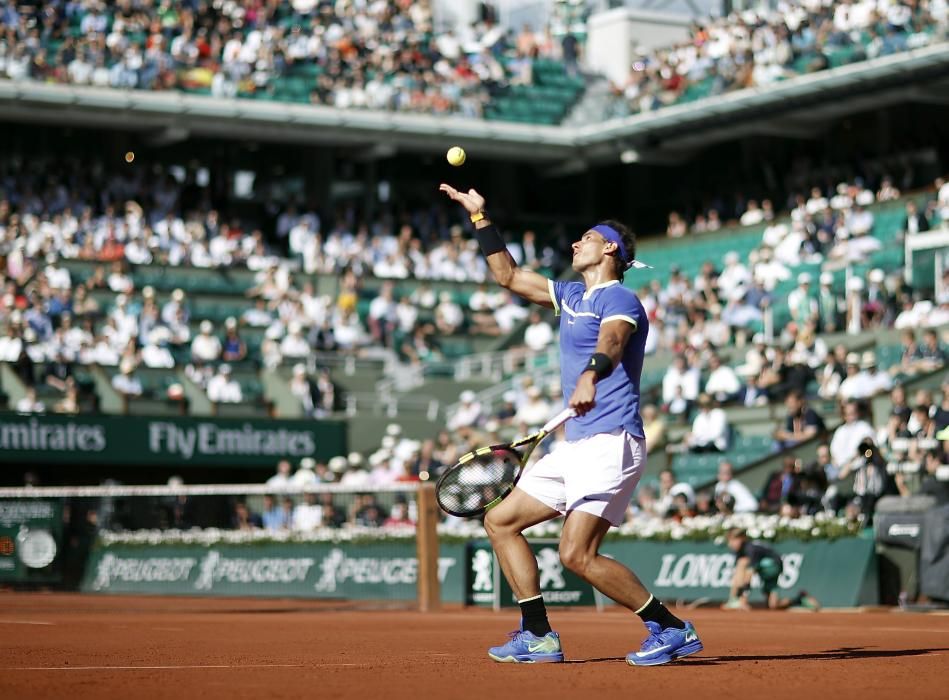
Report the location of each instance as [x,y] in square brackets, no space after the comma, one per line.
[759,47]
[383,55]
[52,212]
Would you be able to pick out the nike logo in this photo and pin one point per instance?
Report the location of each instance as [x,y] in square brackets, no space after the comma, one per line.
[653,651]
[544,645]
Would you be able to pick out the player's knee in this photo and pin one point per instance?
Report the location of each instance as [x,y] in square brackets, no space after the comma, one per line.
[576,558]
[497,526]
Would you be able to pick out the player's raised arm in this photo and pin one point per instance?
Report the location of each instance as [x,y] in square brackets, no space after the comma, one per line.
[523,282]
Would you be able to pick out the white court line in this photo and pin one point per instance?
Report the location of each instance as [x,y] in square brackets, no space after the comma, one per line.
[25,622]
[152,668]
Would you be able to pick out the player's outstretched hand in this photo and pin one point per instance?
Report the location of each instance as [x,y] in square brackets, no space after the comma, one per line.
[470,200]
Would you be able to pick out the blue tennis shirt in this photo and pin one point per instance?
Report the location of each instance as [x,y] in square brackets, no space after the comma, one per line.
[581,312]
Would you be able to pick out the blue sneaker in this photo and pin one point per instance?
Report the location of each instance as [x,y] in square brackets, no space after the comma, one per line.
[526,648]
[665,645]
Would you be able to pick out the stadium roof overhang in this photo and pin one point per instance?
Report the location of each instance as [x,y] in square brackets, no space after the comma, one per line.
[794,108]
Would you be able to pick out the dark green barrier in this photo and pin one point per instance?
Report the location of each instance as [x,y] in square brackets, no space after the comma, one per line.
[838,573]
[384,570]
[206,442]
[30,540]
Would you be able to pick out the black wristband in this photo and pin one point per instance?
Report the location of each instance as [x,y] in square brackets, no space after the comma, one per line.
[600,364]
[490,240]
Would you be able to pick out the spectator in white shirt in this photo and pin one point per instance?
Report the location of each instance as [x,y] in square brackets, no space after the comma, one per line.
[467,414]
[222,388]
[155,352]
[709,428]
[258,316]
[205,347]
[745,502]
[307,516]
[382,317]
[852,387]
[722,384]
[535,411]
[280,480]
[733,276]
[682,376]
[843,446]
[11,345]
[305,475]
[169,312]
[538,335]
[294,345]
[126,383]
[801,303]
[872,382]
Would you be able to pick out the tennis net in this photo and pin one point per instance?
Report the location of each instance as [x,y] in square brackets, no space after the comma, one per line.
[323,541]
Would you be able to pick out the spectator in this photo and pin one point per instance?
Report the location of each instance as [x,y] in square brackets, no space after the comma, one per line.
[467,414]
[670,488]
[742,499]
[828,305]
[535,411]
[126,383]
[294,345]
[780,486]
[205,347]
[848,436]
[929,355]
[223,388]
[233,349]
[307,516]
[273,517]
[683,377]
[802,423]
[654,427]
[710,429]
[538,335]
[873,382]
[722,383]
[281,480]
[803,306]
[305,476]
[382,317]
[399,515]
[244,519]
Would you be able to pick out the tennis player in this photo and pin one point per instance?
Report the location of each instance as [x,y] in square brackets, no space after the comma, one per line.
[591,478]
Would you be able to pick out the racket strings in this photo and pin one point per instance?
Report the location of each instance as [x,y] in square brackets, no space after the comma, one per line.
[469,487]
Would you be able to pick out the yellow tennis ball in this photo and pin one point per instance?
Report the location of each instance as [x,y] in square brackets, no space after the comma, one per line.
[129,157]
[456,155]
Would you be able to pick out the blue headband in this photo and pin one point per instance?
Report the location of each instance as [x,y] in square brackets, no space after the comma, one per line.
[612,235]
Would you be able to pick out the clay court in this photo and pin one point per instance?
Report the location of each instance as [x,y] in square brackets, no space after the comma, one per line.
[71,646]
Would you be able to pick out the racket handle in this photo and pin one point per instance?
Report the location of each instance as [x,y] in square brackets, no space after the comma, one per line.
[558,420]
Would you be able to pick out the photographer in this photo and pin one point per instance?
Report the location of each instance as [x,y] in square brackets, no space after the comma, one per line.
[870,478]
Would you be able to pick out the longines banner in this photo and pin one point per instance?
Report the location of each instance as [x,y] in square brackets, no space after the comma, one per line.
[838,573]
[152,441]
[376,571]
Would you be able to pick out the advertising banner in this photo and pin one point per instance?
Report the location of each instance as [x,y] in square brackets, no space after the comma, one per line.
[30,540]
[207,442]
[838,573]
[486,585]
[350,571]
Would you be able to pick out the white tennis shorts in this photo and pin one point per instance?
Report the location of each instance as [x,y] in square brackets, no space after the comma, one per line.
[596,475]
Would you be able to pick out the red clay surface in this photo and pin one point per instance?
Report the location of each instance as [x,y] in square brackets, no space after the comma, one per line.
[72,646]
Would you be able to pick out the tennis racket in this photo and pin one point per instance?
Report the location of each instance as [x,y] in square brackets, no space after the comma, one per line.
[482,478]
